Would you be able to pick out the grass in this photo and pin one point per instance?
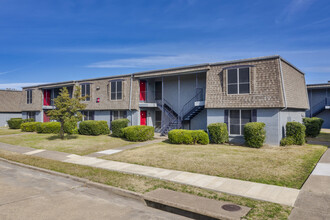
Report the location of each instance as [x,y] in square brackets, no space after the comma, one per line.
[259,209]
[6,131]
[324,137]
[74,144]
[283,166]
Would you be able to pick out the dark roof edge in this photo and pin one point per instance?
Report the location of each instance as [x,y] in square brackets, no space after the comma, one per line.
[9,90]
[293,66]
[319,84]
[246,60]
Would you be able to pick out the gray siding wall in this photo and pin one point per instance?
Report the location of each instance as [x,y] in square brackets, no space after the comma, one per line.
[39,116]
[134,117]
[290,115]
[199,121]
[271,118]
[215,115]
[325,115]
[102,116]
[4,117]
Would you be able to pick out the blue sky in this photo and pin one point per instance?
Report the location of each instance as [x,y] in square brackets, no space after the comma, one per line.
[51,41]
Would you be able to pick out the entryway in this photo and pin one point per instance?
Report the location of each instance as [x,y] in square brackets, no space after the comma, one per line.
[143,117]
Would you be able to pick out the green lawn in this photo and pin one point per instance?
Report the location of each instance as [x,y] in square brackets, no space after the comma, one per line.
[75,144]
[259,209]
[283,166]
[324,137]
[6,131]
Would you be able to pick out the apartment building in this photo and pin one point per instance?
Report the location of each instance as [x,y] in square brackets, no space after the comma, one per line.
[266,89]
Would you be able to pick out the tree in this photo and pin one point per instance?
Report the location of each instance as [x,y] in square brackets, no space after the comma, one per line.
[67,110]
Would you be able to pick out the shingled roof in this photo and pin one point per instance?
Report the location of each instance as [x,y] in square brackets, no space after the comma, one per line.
[10,101]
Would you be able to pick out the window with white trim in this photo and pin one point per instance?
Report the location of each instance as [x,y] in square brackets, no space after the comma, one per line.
[237,120]
[29,96]
[31,115]
[116,90]
[118,115]
[238,80]
[86,91]
[88,115]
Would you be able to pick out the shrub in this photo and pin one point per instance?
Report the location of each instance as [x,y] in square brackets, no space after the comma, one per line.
[296,130]
[28,120]
[15,123]
[70,127]
[218,133]
[287,141]
[313,126]
[181,136]
[117,126]
[49,127]
[93,128]
[138,133]
[254,134]
[29,126]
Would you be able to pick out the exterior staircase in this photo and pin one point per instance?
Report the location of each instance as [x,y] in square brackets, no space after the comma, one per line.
[318,108]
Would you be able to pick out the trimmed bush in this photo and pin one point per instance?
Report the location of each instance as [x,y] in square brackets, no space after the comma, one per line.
[70,127]
[29,126]
[287,141]
[313,126]
[254,134]
[296,130]
[138,133]
[181,136]
[49,127]
[218,133]
[15,123]
[28,120]
[117,126]
[94,128]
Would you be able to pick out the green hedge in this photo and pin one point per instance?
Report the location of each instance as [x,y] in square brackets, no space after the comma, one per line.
[218,133]
[29,126]
[93,128]
[117,126]
[287,141]
[254,134]
[313,126]
[138,133]
[181,136]
[71,127]
[296,131]
[49,127]
[15,123]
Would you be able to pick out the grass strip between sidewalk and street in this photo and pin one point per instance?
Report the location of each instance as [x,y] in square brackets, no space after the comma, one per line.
[135,183]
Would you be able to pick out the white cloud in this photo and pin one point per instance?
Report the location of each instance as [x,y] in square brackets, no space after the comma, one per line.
[293,8]
[151,61]
[17,86]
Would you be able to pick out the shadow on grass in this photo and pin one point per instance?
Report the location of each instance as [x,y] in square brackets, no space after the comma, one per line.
[58,137]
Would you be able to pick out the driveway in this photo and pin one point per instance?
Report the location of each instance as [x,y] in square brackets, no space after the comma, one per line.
[31,194]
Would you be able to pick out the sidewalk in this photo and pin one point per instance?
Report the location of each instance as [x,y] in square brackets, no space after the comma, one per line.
[269,193]
[313,201]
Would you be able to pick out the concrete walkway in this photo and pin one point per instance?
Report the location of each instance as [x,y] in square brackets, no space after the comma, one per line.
[126,147]
[313,201]
[270,193]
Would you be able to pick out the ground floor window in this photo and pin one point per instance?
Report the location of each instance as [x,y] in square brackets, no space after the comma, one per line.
[118,115]
[31,115]
[237,120]
[88,115]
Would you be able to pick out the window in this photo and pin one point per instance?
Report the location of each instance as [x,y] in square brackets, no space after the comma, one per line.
[239,81]
[88,115]
[158,119]
[237,120]
[116,90]
[118,115]
[31,115]
[29,96]
[86,91]
[158,90]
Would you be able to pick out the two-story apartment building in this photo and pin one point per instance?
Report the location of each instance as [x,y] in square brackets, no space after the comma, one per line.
[10,105]
[267,89]
[319,101]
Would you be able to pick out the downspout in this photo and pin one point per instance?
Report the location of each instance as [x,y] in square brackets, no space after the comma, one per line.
[284,97]
[130,99]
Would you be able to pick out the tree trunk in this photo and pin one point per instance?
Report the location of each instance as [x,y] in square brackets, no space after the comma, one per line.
[62,130]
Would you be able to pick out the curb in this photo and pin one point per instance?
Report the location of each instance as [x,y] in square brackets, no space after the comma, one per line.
[115,190]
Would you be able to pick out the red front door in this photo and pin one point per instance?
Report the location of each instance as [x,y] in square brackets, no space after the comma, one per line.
[143,118]
[47,93]
[142,90]
[46,117]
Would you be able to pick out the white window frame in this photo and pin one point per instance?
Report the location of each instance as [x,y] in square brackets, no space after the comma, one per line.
[116,90]
[238,83]
[240,120]
[29,96]
[84,91]
[118,113]
[29,115]
[88,115]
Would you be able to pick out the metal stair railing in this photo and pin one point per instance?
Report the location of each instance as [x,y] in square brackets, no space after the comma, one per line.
[317,108]
[191,104]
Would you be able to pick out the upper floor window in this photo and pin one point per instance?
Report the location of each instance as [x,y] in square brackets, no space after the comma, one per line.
[86,91]
[116,90]
[239,80]
[29,96]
